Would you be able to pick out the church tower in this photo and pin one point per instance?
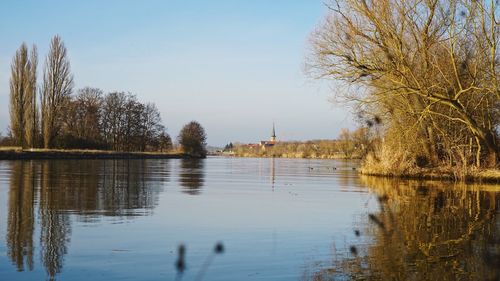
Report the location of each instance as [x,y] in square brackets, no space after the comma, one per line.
[273,136]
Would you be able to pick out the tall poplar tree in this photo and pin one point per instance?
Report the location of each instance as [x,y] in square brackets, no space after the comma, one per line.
[56,90]
[23,96]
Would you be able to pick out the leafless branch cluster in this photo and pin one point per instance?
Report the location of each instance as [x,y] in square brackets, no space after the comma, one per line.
[56,90]
[429,68]
[23,111]
[87,119]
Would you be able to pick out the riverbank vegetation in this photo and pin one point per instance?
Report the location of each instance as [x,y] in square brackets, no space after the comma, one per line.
[87,119]
[349,145]
[423,75]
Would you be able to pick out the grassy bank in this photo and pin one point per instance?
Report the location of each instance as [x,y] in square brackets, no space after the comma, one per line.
[438,173]
[13,153]
[401,167]
[292,155]
[402,164]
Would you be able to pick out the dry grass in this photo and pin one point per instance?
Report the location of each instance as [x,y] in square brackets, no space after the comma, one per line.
[391,163]
[492,175]
[444,173]
[387,162]
[10,148]
[16,153]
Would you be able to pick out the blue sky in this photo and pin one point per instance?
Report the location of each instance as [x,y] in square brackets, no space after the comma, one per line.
[234,66]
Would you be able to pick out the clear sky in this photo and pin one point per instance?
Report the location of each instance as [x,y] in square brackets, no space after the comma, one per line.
[234,66]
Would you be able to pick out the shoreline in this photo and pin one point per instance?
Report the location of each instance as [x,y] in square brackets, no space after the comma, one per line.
[292,156]
[483,176]
[491,176]
[55,154]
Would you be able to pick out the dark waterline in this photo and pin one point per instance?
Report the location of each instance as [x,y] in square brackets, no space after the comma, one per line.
[279,219]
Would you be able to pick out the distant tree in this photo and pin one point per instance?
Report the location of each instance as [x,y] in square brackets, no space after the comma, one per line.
[112,118]
[89,102]
[82,128]
[23,97]
[56,90]
[164,142]
[192,138]
[127,124]
[361,139]
[131,125]
[151,127]
[7,140]
[346,142]
[228,147]
[32,115]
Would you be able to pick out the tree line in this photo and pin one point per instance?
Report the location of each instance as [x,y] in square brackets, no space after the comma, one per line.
[116,121]
[428,71]
[349,145]
[87,119]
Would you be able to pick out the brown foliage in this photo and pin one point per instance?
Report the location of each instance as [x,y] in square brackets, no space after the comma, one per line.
[56,90]
[428,68]
[23,112]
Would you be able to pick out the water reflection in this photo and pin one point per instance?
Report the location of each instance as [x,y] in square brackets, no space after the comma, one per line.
[192,176]
[86,190]
[20,226]
[425,231]
[273,173]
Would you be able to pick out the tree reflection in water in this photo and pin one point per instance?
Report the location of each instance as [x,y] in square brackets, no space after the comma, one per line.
[20,222]
[424,231]
[88,189]
[191,176]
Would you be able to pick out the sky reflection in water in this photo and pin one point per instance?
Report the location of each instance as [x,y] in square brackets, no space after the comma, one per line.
[279,219]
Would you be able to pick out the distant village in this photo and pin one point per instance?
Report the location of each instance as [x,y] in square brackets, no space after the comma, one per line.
[262,145]
[349,145]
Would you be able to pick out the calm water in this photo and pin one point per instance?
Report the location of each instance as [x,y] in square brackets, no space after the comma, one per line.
[278,219]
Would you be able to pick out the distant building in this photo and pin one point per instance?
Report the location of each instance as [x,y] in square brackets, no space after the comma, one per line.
[271,142]
[263,144]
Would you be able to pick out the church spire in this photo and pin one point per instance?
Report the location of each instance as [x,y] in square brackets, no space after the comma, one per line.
[273,136]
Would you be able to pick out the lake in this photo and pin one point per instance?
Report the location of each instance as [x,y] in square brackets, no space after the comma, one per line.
[277,219]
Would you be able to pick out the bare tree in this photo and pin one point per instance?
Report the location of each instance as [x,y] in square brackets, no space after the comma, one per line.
[90,100]
[83,114]
[56,89]
[346,142]
[128,124]
[89,119]
[164,141]
[429,67]
[113,114]
[32,116]
[151,126]
[22,96]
